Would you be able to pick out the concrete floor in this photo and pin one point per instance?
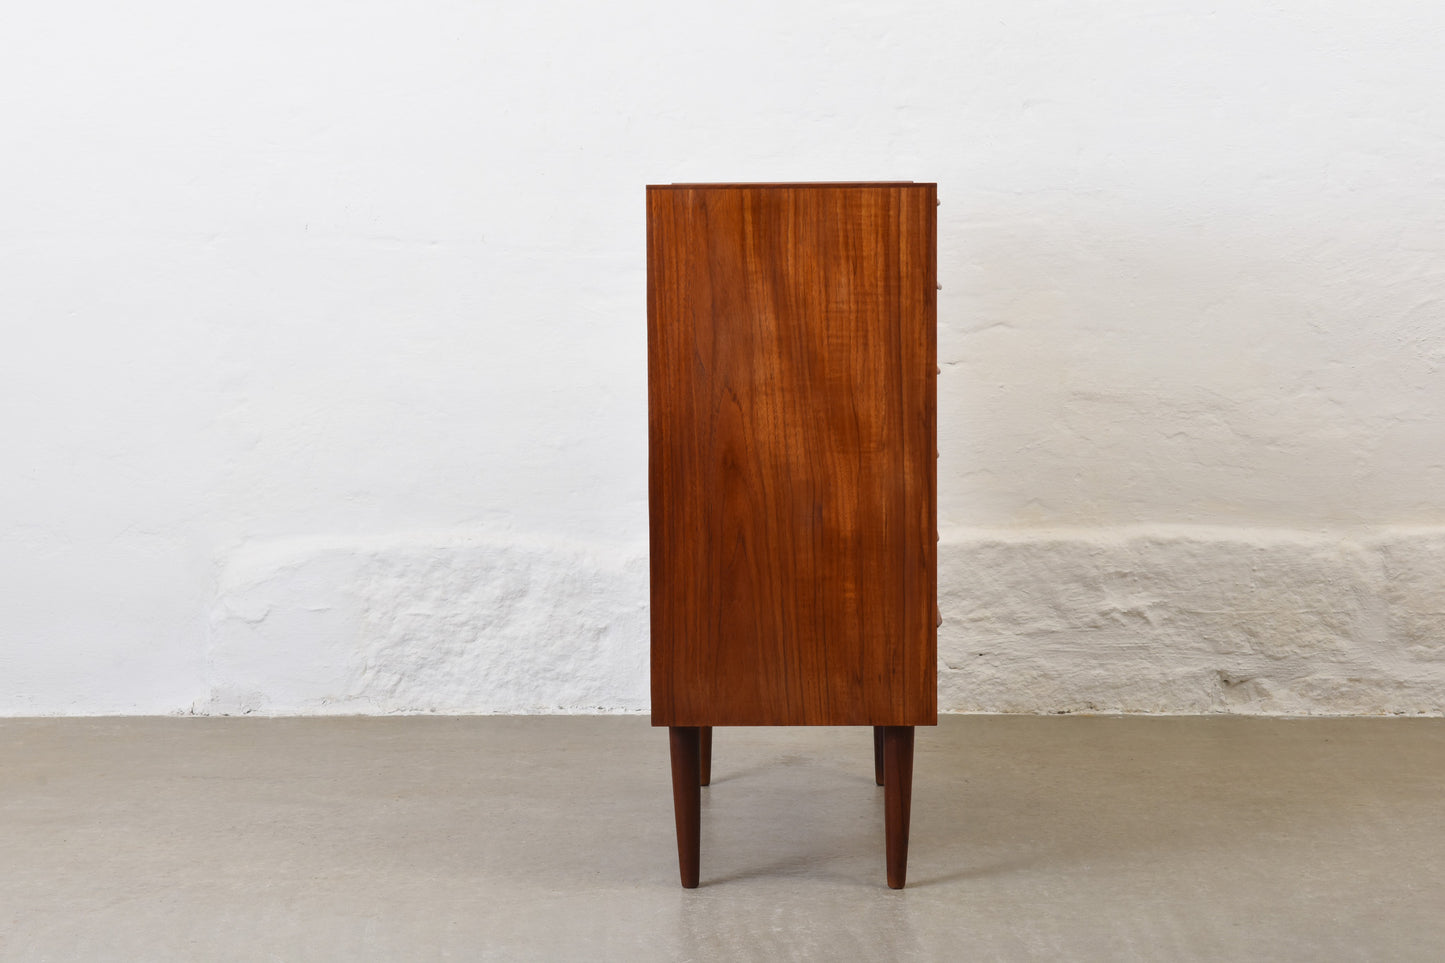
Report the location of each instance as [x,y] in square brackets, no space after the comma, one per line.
[550,838]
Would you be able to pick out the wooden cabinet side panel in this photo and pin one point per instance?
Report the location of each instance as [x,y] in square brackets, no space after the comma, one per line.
[791,392]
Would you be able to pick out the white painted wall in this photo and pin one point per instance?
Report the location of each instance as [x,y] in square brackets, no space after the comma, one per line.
[323,389]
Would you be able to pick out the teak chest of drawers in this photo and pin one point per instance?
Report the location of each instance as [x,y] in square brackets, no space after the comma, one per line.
[792,352]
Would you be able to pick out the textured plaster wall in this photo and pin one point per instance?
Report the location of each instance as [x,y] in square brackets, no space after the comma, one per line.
[323,389]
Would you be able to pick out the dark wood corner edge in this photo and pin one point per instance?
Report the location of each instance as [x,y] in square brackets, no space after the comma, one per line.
[786,185]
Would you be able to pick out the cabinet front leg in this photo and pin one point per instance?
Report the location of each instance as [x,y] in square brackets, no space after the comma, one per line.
[687,799]
[897,798]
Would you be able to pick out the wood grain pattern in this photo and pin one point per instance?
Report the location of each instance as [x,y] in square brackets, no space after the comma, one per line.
[792,440]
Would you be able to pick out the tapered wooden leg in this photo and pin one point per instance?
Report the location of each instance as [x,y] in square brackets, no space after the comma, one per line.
[687,799]
[705,754]
[897,797]
[878,755]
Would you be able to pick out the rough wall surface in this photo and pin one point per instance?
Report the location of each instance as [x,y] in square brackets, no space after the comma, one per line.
[323,378]
[429,624]
[1190,619]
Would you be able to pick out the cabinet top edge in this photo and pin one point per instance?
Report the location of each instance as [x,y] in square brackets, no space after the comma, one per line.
[785,185]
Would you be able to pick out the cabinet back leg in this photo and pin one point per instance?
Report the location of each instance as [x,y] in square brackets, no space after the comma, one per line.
[878,755]
[686,748]
[897,798]
[705,755]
